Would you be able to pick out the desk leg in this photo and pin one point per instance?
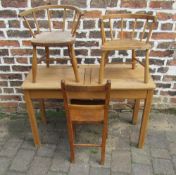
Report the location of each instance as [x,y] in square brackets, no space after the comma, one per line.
[135,111]
[34,64]
[32,118]
[42,111]
[147,107]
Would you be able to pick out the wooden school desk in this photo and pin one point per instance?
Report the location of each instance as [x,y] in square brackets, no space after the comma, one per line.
[126,83]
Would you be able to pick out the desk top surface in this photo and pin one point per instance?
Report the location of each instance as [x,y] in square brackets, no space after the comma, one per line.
[121,75]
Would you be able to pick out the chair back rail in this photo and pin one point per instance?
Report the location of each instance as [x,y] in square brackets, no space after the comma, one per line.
[117,26]
[68,89]
[71,14]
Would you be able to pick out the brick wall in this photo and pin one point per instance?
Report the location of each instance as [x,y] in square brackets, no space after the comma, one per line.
[15,49]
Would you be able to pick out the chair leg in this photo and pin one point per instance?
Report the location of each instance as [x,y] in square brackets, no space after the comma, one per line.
[135,111]
[47,56]
[106,59]
[101,70]
[42,111]
[71,140]
[133,59]
[146,72]
[74,62]
[104,136]
[34,64]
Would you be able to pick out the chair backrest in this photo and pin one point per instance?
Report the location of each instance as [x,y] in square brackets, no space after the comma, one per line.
[101,92]
[127,26]
[51,17]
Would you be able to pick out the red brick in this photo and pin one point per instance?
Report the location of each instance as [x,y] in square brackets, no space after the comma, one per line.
[2,24]
[89,24]
[26,43]
[8,105]
[8,60]
[163,35]
[163,16]
[167,53]
[4,52]
[117,11]
[86,43]
[156,77]
[2,34]
[83,52]
[21,52]
[134,3]
[163,85]
[95,52]
[95,34]
[171,62]
[92,14]
[14,3]
[18,33]
[158,62]
[9,43]
[103,4]
[14,23]
[19,90]
[57,25]
[11,76]
[4,68]
[21,68]
[162,69]
[3,83]
[15,83]
[8,14]
[169,78]
[78,3]
[81,35]
[10,98]
[8,90]
[164,45]
[161,4]
[173,100]
[166,26]
[35,3]
[22,60]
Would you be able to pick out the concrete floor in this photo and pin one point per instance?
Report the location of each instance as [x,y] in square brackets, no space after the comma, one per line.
[18,156]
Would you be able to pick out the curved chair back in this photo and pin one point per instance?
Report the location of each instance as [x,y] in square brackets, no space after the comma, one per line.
[51,17]
[127,26]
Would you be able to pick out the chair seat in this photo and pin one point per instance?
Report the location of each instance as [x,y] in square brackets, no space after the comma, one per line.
[55,38]
[125,44]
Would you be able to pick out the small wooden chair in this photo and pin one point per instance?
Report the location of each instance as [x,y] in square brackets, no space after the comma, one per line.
[44,34]
[126,32]
[95,111]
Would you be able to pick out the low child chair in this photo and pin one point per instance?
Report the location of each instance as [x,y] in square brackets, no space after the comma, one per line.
[40,24]
[89,111]
[126,32]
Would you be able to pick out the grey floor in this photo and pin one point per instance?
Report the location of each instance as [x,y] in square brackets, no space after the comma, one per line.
[18,156]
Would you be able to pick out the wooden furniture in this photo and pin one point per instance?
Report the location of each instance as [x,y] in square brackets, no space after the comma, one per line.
[48,87]
[44,34]
[117,36]
[87,111]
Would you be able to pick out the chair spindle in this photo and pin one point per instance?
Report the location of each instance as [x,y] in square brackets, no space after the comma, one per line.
[36,22]
[64,19]
[103,34]
[76,25]
[150,32]
[49,19]
[110,25]
[145,25]
[30,29]
[134,27]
